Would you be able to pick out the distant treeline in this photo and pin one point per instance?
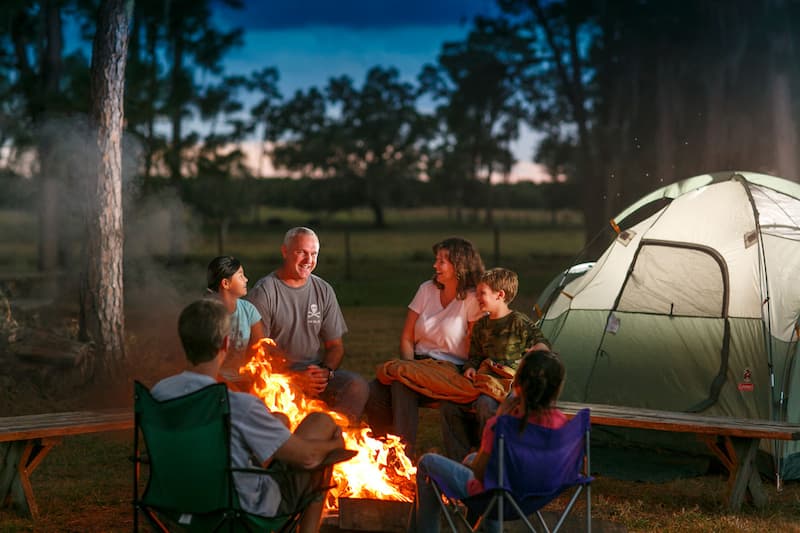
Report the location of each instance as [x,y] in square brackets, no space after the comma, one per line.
[334,194]
[211,196]
[319,195]
[625,97]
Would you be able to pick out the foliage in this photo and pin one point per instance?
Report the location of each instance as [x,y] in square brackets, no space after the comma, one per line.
[371,139]
[214,196]
[18,192]
[551,52]
[632,95]
[629,95]
[479,110]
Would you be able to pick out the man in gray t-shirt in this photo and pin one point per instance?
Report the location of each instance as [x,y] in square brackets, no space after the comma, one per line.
[257,436]
[301,314]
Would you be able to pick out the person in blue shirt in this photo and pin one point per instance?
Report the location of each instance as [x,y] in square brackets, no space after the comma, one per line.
[227,283]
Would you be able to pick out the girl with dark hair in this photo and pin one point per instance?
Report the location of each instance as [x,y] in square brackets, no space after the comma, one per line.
[437,326]
[227,282]
[537,385]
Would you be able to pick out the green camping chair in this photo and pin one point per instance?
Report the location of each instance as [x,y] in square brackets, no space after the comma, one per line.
[190,485]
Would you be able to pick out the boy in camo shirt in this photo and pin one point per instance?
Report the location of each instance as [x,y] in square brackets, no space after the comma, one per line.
[503,336]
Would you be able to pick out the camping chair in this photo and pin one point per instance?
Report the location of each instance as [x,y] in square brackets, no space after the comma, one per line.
[528,471]
[190,484]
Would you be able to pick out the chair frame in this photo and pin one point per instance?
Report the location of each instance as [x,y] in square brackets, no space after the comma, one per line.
[498,496]
[231,517]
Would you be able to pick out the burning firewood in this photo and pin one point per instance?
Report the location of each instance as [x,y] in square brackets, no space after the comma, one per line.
[380,471]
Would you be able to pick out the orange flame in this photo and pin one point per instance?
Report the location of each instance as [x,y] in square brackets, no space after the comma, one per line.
[381,470]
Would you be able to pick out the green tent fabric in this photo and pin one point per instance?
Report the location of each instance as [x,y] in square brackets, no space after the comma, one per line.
[692,308]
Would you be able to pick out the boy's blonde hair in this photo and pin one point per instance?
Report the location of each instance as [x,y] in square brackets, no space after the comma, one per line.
[502,279]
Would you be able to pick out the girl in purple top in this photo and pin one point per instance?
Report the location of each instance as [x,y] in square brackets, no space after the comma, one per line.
[537,385]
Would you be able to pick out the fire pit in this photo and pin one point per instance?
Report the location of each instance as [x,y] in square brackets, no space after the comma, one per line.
[378,481]
[362,514]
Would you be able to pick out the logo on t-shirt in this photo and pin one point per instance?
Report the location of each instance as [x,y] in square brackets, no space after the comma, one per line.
[314,314]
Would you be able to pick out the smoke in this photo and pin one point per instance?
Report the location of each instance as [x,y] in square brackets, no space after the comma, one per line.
[152,224]
[156,292]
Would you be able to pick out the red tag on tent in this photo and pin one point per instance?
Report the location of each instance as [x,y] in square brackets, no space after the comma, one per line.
[747,381]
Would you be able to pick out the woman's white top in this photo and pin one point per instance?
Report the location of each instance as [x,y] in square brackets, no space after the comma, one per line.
[441,332]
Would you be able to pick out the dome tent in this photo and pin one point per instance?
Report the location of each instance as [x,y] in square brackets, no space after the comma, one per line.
[695,308]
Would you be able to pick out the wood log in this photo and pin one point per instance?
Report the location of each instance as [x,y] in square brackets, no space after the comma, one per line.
[45,347]
[361,514]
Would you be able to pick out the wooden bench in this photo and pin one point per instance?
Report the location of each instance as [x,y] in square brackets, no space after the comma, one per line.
[26,440]
[737,450]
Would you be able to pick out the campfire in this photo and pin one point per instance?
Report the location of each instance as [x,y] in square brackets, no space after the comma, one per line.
[380,471]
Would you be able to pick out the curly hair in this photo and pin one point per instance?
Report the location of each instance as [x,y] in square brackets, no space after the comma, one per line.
[466,261]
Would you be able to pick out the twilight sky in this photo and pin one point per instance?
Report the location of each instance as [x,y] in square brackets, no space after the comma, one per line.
[310,41]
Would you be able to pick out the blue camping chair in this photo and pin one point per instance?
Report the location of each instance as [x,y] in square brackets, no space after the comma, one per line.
[528,471]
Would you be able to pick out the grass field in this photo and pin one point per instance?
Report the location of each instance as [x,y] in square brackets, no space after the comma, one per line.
[85,483]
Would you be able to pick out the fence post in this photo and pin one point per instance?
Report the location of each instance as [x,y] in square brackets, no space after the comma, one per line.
[347,273]
[496,246]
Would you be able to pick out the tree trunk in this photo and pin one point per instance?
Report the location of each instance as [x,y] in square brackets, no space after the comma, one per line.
[377,210]
[593,187]
[177,250]
[176,118]
[785,128]
[49,216]
[667,112]
[151,36]
[595,216]
[489,200]
[102,314]
[222,234]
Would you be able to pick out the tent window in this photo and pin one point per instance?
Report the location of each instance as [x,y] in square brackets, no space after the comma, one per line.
[675,280]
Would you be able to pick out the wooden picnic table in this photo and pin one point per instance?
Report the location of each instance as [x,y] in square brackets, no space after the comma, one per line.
[734,441]
[26,440]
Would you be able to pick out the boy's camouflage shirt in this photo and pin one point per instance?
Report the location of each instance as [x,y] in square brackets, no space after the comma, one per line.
[504,340]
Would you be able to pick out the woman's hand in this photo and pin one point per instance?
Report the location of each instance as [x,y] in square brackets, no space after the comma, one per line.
[470,374]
